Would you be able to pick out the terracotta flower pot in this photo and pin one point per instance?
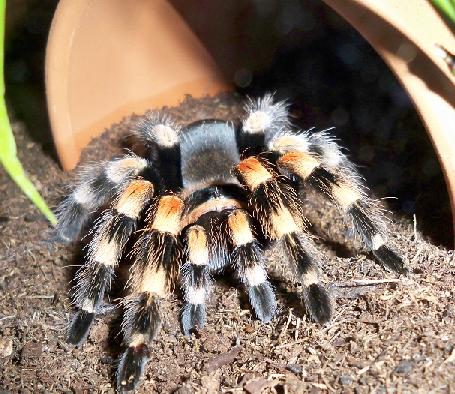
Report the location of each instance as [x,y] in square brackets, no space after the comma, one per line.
[405,34]
[108,58]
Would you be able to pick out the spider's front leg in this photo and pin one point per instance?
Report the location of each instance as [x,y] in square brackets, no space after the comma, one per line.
[113,231]
[153,276]
[97,185]
[318,162]
[275,205]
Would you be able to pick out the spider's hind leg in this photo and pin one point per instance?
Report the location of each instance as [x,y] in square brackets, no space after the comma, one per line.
[318,162]
[264,118]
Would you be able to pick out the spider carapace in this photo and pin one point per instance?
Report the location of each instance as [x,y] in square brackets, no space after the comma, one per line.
[202,198]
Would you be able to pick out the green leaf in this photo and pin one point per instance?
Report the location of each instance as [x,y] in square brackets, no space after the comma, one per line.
[8,153]
[447,8]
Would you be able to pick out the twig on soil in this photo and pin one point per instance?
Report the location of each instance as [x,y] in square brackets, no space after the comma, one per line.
[369,282]
[222,359]
[297,327]
[7,317]
[72,265]
[363,370]
[286,326]
[290,344]
[39,296]
[451,358]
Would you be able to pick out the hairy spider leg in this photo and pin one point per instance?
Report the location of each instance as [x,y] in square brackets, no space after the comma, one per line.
[97,185]
[249,262]
[113,231]
[318,162]
[155,270]
[264,118]
[161,137]
[195,278]
[275,205]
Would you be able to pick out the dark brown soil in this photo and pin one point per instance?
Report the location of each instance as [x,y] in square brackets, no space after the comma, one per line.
[389,334]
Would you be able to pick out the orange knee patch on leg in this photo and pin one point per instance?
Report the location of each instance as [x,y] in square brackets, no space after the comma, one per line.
[253,172]
[168,214]
[301,164]
[133,199]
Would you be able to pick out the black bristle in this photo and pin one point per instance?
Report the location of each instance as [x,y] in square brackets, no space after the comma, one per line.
[303,261]
[322,180]
[193,316]
[121,228]
[388,258]
[362,222]
[197,276]
[71,220]
[131,367]
[318,303]
[165,248]
[262,299]
[247,256]
[150,173]
[170,167]
[92,281]
[103,186]
[80,327]
[249,143]
[316,149]
[145,317]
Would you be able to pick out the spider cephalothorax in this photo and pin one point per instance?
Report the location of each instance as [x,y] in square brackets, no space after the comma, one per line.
[205,197]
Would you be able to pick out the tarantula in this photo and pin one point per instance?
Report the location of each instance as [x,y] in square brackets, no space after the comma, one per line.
[204,197]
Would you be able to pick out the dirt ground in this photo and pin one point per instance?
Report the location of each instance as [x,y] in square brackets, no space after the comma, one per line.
[389,334]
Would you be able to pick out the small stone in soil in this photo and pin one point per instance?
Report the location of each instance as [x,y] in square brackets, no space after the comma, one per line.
[294,368]
[6,347]
[346,380]
[31,350]
[403,368]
